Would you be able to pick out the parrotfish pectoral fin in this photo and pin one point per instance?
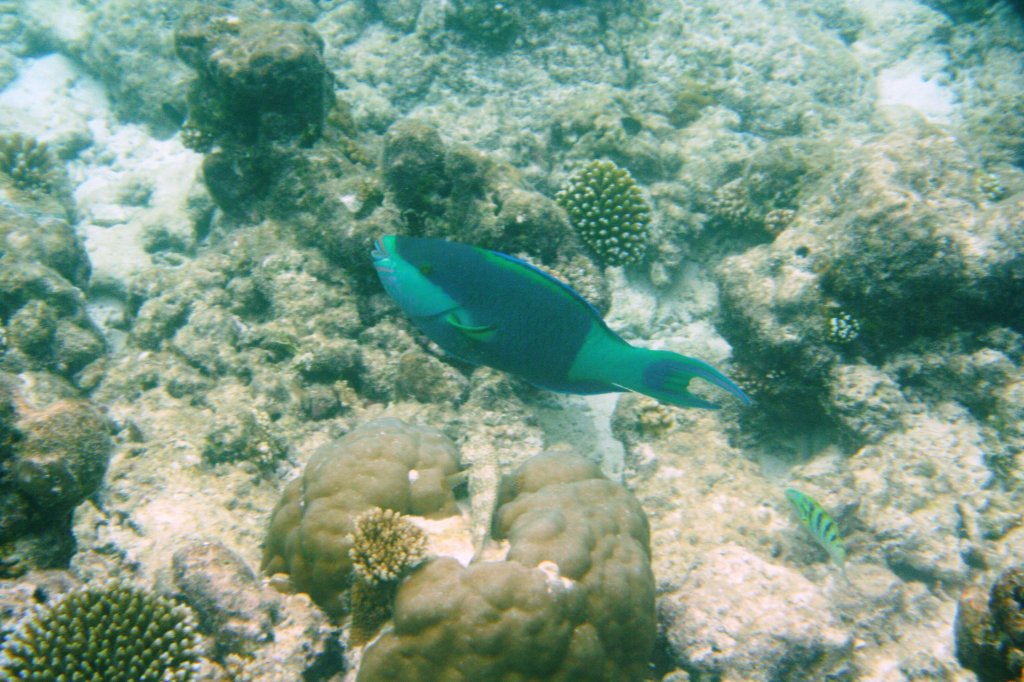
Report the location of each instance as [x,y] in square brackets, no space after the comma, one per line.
[475,332]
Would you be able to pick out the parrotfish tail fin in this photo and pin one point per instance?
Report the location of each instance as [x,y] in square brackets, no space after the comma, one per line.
[666,376]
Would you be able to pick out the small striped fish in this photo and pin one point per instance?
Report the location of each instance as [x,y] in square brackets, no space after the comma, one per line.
[821,525]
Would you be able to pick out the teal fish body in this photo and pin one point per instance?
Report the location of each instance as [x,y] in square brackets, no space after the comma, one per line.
[821,525]
[492,309]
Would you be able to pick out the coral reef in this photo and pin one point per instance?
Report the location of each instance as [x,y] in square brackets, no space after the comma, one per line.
[386,464]
[608,211]
[115,632]
[574,598]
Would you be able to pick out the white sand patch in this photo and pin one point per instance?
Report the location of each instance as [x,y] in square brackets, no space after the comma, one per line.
[125,180]
[66,20]
[52,100]
[130,182]
[910,85]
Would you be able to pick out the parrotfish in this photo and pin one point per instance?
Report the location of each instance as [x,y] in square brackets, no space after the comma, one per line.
[489,308]
[821,525]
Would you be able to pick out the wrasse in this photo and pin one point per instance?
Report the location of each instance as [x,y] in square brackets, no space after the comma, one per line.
[821,525]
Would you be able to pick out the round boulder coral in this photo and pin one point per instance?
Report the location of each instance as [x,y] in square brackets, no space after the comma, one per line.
[112,633]
[608,211]
[387,464]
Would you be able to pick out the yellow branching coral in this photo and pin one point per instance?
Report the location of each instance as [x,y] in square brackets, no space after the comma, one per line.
[385,545]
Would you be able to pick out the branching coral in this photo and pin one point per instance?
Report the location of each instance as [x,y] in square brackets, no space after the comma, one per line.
[608,211]
[29,163]
[112,633]
[385,545]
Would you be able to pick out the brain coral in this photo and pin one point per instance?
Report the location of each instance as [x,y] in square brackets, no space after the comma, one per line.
[112,633]
[386,463]
[573,601]
[608,211]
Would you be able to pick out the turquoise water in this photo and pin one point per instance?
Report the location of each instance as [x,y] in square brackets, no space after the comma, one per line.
[207,393]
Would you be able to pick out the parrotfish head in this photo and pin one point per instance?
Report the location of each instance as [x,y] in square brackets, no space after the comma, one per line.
[408,283]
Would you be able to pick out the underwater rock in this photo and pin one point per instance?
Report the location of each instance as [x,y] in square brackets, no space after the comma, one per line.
[386,463]
[911,254]
[399,14]
[773,314]
[46,239]
[736,616]
[989,629]
[413,166]
[904,486]
[62,454]
[898,252]
[574,598]
[259,83]
[492,26]
[866,401]
[425,378]
[127,44]
[231,604]
[453,191]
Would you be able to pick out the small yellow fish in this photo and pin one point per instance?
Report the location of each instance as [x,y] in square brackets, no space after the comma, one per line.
[821,525]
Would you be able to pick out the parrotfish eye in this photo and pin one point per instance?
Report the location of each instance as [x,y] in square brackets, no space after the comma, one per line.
[426,269]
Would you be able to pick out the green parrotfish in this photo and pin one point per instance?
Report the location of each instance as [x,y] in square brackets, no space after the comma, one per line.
[821,525]
[489,308]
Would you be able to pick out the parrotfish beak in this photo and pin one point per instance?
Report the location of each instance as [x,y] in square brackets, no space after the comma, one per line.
[379,251]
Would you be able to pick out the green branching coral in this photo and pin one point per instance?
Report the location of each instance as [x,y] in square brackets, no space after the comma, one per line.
[608,211]
[29,163]
[111,633]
